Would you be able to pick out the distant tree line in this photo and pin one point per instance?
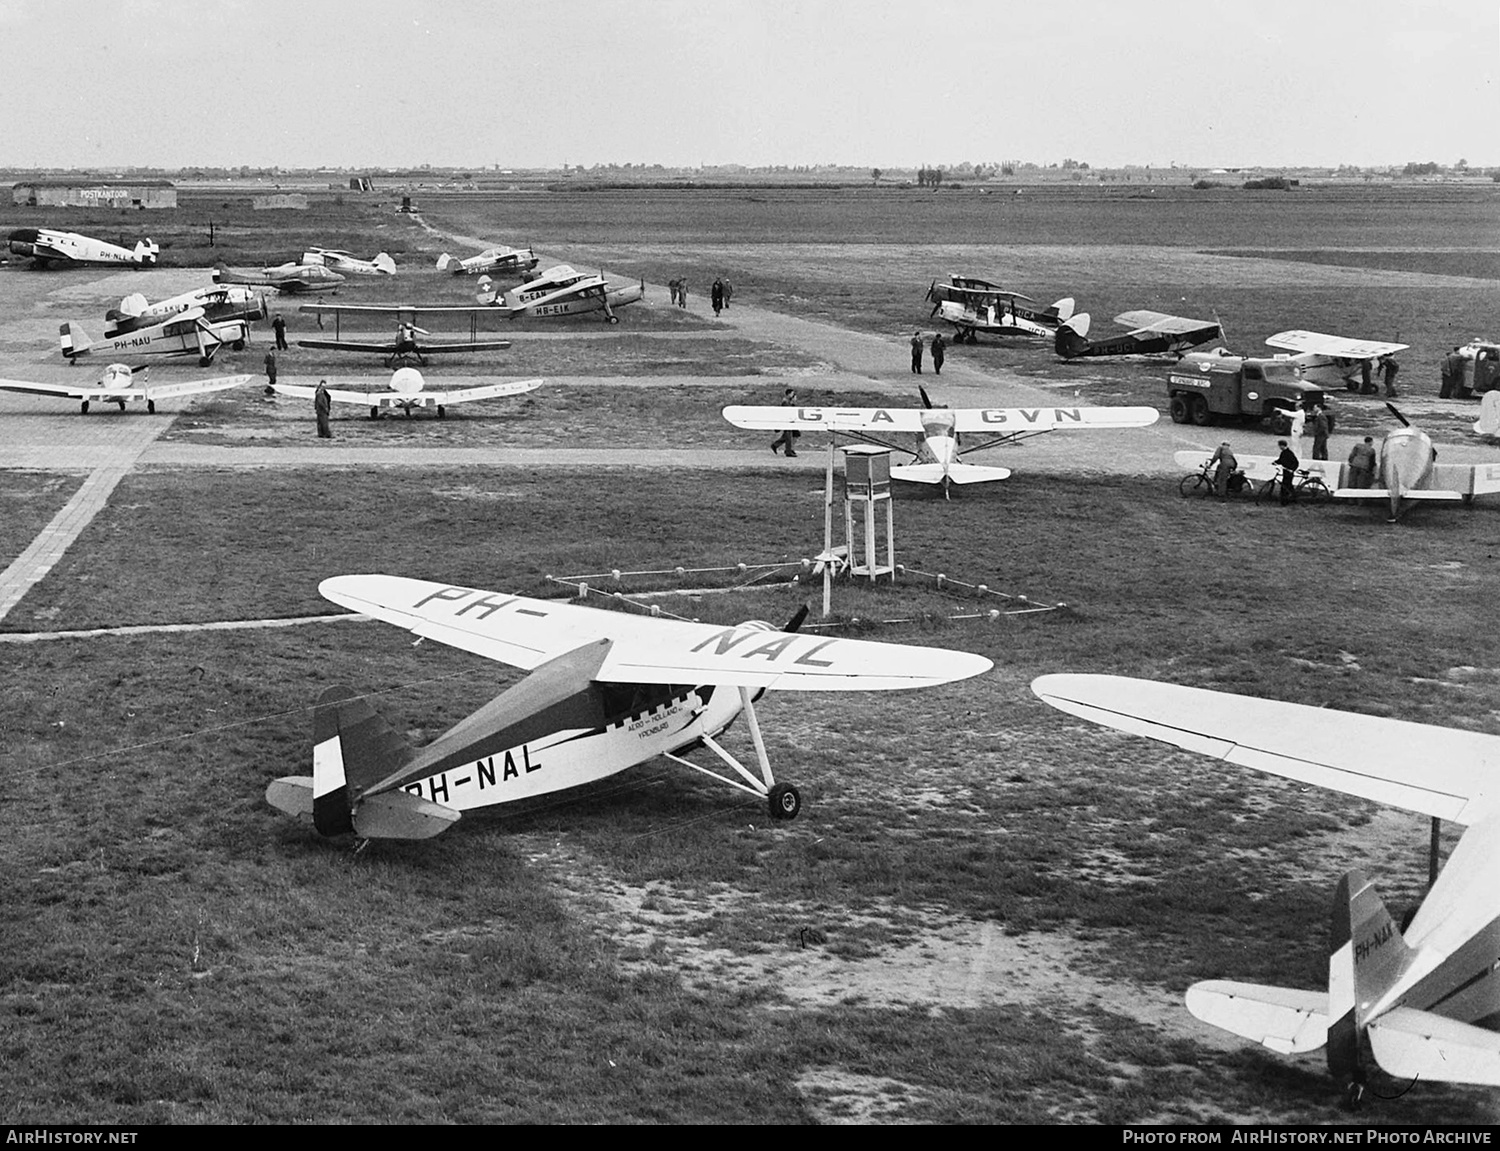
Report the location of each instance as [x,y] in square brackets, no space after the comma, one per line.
[929,177]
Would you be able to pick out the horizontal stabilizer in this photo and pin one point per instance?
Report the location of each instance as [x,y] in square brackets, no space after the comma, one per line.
[401,815]
[1412,1044]
[1384,494]
[956,473]
[1281,1018]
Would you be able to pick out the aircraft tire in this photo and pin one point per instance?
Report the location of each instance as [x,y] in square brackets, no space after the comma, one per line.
[121,403]
[151,407]
[205,361]
[1200,413]
[83,408]
[614,319]
[786,801]
[238,345]
[1179,409]
[375,412]
[441,412]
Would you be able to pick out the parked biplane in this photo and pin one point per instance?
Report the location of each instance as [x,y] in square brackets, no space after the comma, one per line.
[119,385]
[347,264]
[1408,471]
[497,259]
[1151,333]
[1417,991]
[47,247]
[1331,361]
[405,345]
[290,278]
[973,305]
[605,691]
[188,333]
[219,304]
[560,291]
[408,390]
[936,457]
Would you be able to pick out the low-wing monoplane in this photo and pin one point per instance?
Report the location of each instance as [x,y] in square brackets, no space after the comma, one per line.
[219,304]
[408,390]
[497,259]
[605,691]
[936,456]
[47,247]
[560,291]
[120,384]
[1416,992]
[188,333]
[973,305]
[1331,361]
[290,278]
[348,264]
[1408,471]
[406,345]
[1152,333]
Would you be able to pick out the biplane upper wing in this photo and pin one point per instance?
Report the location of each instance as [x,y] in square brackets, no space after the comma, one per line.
[1148,323]
[1339,347]
[771,418]
[526,633]
[1436,771]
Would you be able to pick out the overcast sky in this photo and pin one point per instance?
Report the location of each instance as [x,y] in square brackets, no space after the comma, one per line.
[540,83]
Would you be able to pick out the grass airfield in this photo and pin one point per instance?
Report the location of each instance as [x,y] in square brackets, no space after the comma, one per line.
[987,911]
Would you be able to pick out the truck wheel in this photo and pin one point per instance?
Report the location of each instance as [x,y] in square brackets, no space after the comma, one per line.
[1200,413]
[1179,409]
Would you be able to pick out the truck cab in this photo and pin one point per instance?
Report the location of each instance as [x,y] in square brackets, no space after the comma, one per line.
[1206,387]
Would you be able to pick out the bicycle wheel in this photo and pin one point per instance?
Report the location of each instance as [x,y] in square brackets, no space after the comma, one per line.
[1268,491]
[1193,483]
[1314,491]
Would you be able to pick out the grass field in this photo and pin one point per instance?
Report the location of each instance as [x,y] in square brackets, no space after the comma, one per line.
[987,911]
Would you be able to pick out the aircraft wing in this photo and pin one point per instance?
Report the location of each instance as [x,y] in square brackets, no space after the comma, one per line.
[1149,323]
[1264,467]
[1436,771]
[771,418]
[385,349]
[1002,420]
[483,392]
[338,395]
[73,391]
[428,348]
[1340,347]
[526,633]
[412,310]
[194,387]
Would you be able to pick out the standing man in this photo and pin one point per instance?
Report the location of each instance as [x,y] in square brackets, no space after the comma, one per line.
[1321,426]
[1225,465]
[1446,390]
[938,348]
[788,435]
[1288,462]
[1366,386]
[716,296]
[1388,370]
[278,324]
[270,370]
[1362,464]
[323,406]
[916,352]
[728,294]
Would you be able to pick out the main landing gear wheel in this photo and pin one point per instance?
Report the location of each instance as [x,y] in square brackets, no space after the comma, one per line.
[614,319]
[83,408]
[441,412]
[151,407]
[786,801]
[238,345]
[375,412]
[121,403]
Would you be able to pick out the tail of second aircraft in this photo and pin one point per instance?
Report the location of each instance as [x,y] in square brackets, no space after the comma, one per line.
[354,749]
[146,252]
[384,263]
[74,342]
[1366,955]
[1072,336]
[444,262]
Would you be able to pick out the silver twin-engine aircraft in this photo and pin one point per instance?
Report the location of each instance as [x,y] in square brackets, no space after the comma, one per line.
[48,247]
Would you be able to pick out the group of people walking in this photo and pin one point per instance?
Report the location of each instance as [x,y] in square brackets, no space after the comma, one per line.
[939,349]
[719,295]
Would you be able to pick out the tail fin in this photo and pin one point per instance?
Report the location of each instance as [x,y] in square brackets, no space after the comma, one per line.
[1072,337]
[133,305]
[1063,309]
[146,251]
[1366,955]
[444,262]
[74,342]
[384,263]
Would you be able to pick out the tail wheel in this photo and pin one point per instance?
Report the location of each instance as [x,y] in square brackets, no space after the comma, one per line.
[1179,409]
[786,801]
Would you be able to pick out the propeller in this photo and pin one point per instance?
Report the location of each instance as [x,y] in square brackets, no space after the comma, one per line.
[936,303]
[1405,423]
[926,399]
[797,620]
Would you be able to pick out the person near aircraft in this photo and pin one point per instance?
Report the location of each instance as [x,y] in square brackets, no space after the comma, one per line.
[1322,424]
[323,408]
[270,369]
[278,325]
[682,293]
[1225,465]
[916,353]
[1388,370]
[675,288]
[728,293]
[789,435]
[1366,385]
[1288,463]
[938,347]
[716,296]
[1362,464]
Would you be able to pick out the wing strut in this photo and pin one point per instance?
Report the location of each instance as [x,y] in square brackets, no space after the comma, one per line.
[785,800]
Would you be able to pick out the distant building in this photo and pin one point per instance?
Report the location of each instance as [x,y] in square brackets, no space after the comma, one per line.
[279,200]
[95,194]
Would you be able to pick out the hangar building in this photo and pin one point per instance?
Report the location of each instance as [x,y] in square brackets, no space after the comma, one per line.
[95,194]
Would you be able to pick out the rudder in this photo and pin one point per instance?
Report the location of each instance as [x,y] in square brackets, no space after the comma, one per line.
[1366,955]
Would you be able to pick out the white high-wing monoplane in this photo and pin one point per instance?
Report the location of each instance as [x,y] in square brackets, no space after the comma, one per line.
[120,384]
[935,457]
[348,264]
[219,304]
[408,390]
[606,691]
[1417,992]
[47,247]
[1331,361]
[496,259]
[188,333]
[561,291]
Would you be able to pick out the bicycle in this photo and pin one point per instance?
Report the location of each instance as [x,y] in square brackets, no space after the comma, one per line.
[1201,482]
[1307,487]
